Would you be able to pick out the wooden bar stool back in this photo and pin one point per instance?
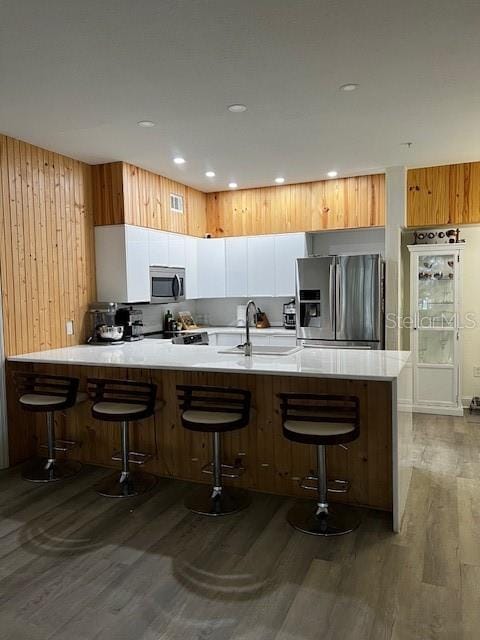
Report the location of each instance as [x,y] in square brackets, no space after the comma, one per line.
[321,420]
[124,401]
[216,410]
[45,393]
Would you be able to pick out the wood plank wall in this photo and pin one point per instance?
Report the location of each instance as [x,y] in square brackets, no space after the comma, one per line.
[125,194]
[273,463]
[46,246]
[345,203]
[447,194]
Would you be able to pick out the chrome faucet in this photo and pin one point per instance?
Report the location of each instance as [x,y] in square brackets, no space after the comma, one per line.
[248,344]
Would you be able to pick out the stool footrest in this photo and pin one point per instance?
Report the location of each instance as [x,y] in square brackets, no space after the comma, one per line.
[134,457]
[310,483]
[227,470]
[62,445]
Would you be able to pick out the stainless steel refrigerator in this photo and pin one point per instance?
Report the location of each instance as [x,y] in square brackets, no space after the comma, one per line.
[340,301]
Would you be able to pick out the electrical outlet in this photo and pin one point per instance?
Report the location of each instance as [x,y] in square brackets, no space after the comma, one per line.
[476,372]
[70,331]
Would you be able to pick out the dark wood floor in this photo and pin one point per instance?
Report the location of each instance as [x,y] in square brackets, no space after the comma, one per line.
[77,566]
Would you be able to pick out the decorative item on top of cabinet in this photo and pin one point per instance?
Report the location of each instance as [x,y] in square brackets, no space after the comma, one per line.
[435,334]
[435,236]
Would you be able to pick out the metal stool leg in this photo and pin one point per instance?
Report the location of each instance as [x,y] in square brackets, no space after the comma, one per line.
[128,483]
[324,520]
[50,469]
[217,500]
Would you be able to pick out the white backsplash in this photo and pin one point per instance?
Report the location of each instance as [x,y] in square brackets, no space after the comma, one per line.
[222,312]
[153,314]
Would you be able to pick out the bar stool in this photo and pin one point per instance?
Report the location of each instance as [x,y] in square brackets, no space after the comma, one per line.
[321,420]
[124,401]
[39,392]
[216,410]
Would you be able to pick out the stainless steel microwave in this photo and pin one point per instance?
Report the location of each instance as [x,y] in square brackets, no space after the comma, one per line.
[167,284]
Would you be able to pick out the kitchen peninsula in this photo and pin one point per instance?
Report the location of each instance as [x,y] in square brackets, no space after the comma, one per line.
[376,464]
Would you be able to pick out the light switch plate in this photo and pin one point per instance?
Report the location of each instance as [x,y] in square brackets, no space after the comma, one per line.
[69,328]
[476,372]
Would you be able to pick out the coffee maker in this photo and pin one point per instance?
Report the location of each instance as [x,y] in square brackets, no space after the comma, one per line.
[104,329]
[289,314]
[132,322]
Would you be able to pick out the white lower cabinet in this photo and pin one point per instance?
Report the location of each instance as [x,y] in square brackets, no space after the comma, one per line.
[211,267]
[284,341]
[229,339]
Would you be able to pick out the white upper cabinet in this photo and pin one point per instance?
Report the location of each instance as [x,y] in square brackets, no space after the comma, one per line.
[158,247]
[122,261]
[261,266]
[211,267]
[288,247]
[191,268]
[176,250]
[111,263]
[256,266]
[137,265]
[236,256]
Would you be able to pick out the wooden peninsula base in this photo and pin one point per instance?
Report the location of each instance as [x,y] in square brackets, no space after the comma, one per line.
[273,464]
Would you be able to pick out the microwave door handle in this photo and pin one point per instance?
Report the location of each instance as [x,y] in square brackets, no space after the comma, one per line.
[176,289]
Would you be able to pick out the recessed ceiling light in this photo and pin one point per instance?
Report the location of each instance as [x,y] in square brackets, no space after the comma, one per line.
[146,123]
[232,185]
[279,180]
[179,160]
[349,87]
[332,174]
[237,108]
[210,174]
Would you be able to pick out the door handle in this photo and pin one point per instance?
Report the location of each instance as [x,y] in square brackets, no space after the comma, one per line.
[176,280]
[331,294]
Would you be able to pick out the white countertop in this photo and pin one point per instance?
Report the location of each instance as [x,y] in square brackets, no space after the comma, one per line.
[161,354]
[271,331]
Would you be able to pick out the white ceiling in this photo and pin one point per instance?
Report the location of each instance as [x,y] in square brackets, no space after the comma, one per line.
[76,76]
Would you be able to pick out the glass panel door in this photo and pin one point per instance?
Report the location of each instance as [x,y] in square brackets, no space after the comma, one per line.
[436,292]
[436,347]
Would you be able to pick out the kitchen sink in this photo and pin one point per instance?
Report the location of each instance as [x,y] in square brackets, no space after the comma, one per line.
[264,350]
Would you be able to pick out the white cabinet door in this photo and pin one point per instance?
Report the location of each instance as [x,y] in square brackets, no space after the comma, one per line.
[261,266]
[288,247]
[191,268]
[110,262]
[211,267]
[229,339]
[259,340]
[138,276]
[176,250]
[284,341]
[236,253]
[158,247]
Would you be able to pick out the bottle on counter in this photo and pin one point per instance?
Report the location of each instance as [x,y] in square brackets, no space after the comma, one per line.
[167,320]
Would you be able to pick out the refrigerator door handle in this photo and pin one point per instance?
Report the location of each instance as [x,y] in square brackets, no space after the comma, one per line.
[331,295]
[338,314]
